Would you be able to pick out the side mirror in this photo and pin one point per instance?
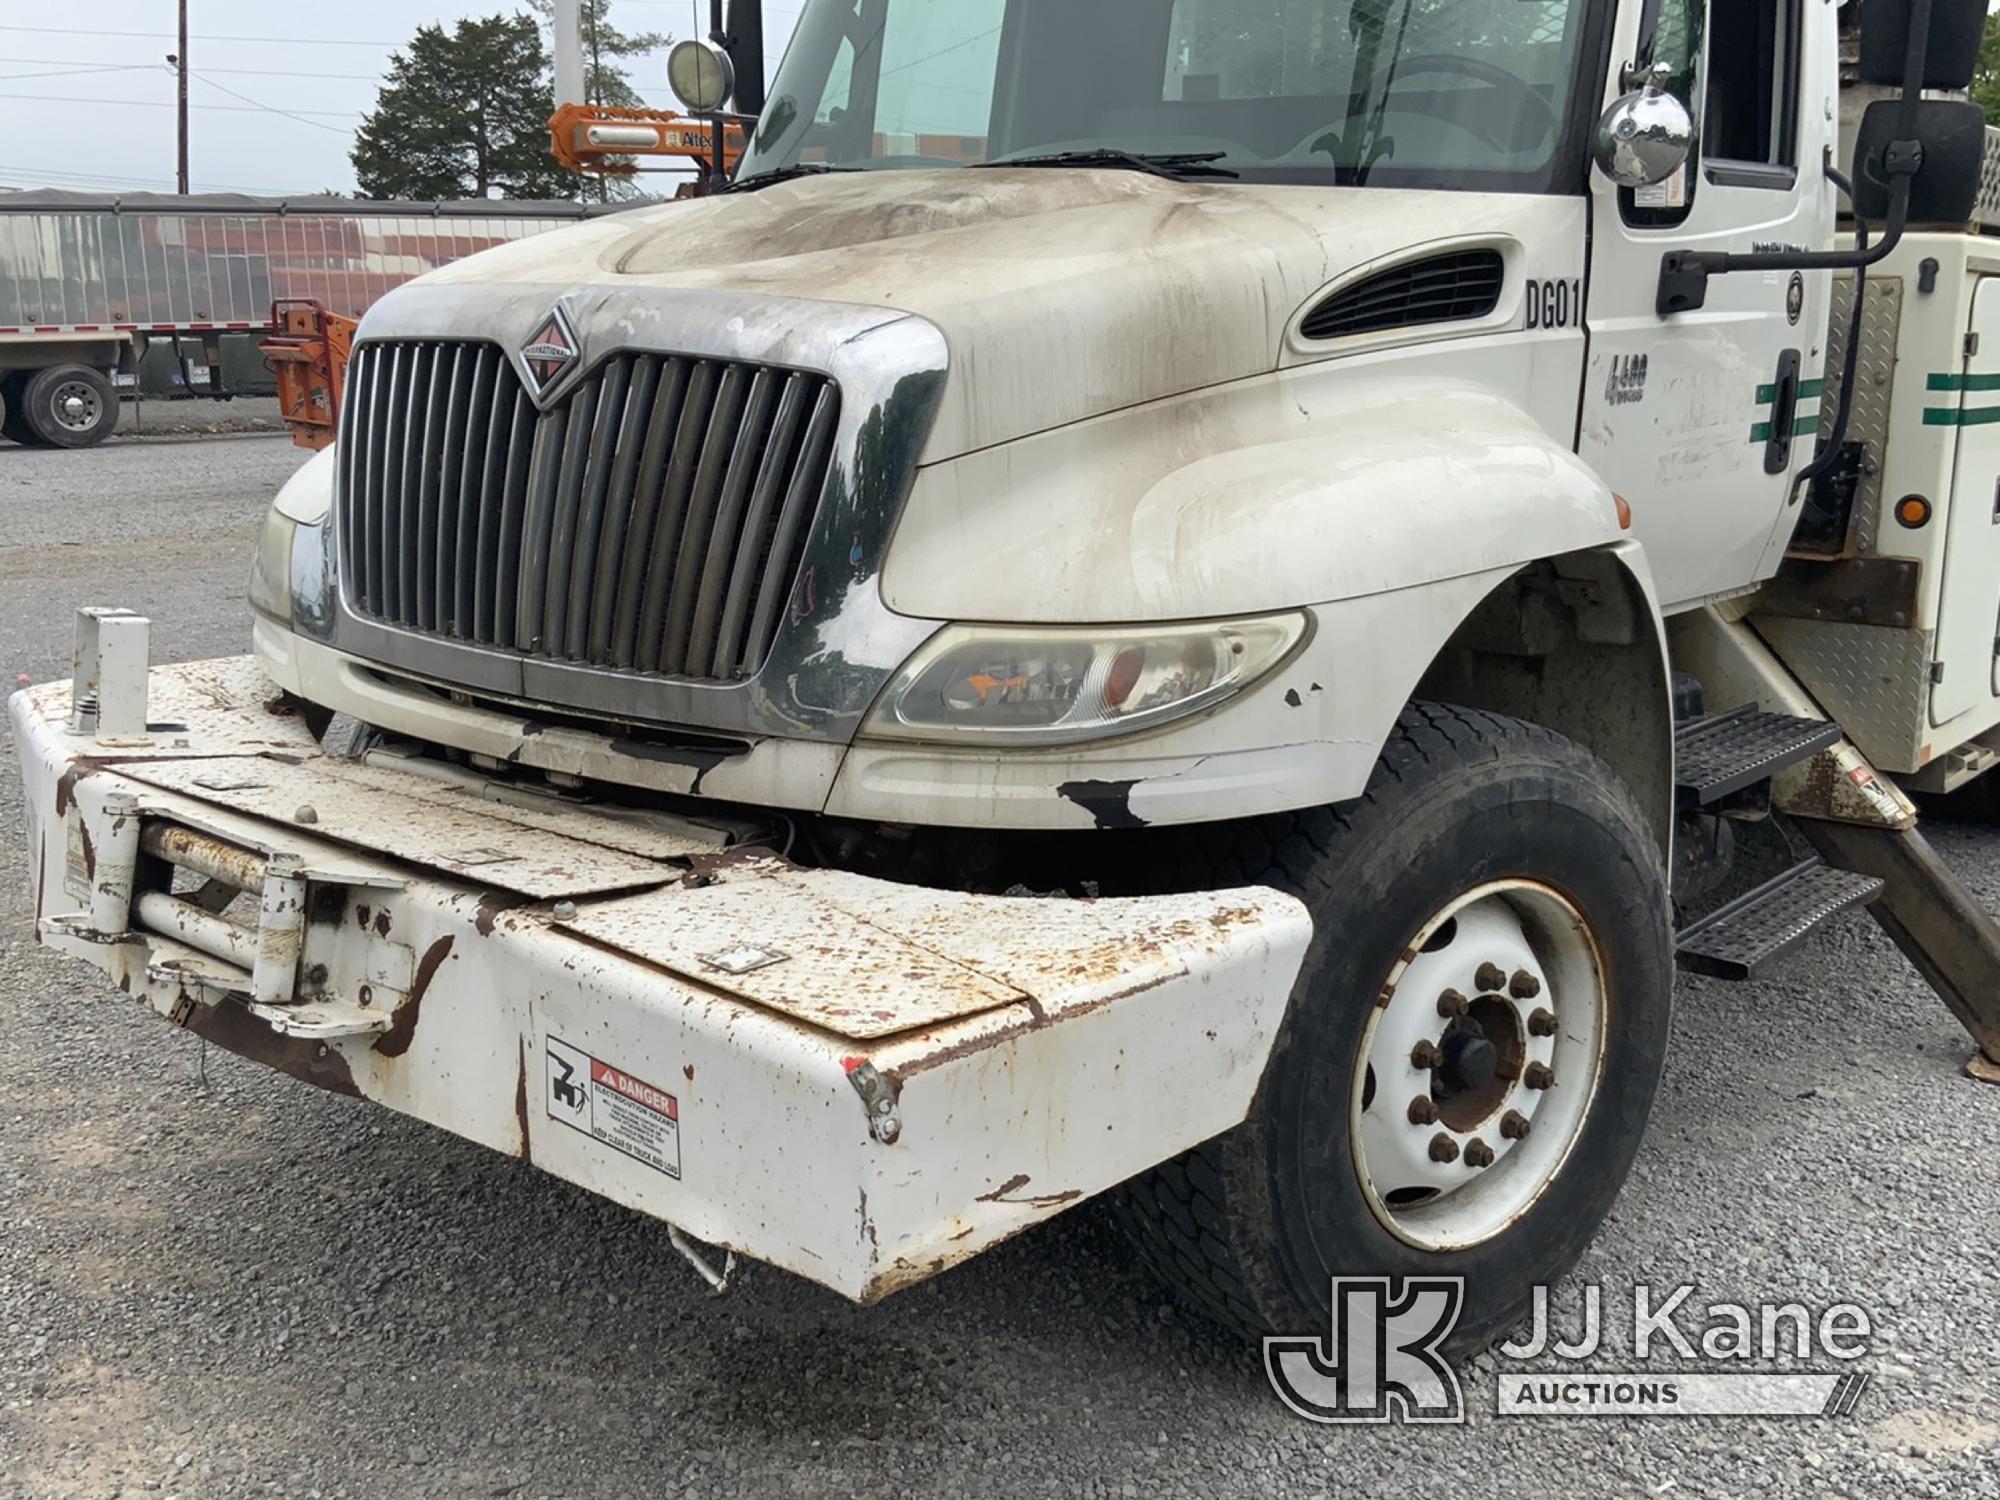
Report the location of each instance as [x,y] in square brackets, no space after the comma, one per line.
[1949,62]
[1644,138]
[1945,190]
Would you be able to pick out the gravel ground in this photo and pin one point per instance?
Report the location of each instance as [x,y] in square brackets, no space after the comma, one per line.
[240,1287]
[139,420]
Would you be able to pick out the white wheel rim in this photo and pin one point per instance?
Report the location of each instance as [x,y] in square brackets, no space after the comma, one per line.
[1429,1181]
[76,406]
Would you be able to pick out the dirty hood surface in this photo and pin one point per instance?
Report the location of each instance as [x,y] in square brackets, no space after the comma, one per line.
[1063,294]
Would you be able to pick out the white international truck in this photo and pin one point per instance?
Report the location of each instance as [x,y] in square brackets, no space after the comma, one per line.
[1171,596]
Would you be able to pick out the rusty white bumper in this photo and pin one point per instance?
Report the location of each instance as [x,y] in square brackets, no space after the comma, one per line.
[859,1081]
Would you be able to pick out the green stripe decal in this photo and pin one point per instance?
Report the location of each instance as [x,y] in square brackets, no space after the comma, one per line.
[1803,427]
[1974,416]
[1963,383]
[1808,389]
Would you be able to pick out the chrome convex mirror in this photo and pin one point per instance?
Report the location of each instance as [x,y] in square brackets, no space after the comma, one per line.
[1645,137]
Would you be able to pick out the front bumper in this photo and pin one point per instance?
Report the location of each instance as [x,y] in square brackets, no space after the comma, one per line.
[862,1082]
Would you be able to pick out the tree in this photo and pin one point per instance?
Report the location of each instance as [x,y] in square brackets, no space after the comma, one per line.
[464,114]
[604,48]
[604,82]
[1986,82]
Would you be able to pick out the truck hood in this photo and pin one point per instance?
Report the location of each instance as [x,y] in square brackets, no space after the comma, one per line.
[1062,294]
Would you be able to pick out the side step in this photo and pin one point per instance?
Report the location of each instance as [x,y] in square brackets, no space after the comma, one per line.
[1728,753]
[1737,940]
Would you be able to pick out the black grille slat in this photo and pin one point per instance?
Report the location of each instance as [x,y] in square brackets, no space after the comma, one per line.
[651,484]
[618,526]
[773,478]
[688,439]
[779,570]
[441,538]
[514,519]
[383,406]
[459,571]
[395,474]
[718,447]
[726,535]
[420,501]
[1459,287]
[578,445]
[653,520]
[605,443]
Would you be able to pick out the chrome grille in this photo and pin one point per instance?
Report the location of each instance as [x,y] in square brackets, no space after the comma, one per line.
[654,521]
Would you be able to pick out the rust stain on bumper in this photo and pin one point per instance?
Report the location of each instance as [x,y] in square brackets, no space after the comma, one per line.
[234,1029]
[403,1030]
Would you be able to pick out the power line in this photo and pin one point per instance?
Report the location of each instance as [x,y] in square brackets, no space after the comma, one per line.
[238,109]
[75,72]
[271,109]
[44,177]
[286,41]
[243,72]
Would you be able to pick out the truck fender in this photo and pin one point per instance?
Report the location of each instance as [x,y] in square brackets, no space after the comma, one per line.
[1293,490]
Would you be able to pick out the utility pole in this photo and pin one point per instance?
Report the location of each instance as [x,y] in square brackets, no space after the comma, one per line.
[181,61]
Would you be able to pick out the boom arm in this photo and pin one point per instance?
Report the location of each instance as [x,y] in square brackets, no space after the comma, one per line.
[598,138]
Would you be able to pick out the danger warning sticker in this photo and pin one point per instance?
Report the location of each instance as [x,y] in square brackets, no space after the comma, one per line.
[609,1104]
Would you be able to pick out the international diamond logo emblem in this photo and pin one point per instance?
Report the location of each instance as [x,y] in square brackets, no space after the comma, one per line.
[550,354]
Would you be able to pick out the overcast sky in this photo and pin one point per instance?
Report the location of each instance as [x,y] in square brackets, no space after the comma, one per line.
[112,127]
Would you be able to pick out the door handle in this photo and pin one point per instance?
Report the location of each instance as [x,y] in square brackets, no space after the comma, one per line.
[1784,414]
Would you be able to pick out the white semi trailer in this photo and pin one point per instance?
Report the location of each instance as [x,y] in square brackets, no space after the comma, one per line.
[1169,596]
[90,282]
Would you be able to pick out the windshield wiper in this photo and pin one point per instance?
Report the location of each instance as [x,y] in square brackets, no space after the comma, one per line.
[777,175]
[1176,164]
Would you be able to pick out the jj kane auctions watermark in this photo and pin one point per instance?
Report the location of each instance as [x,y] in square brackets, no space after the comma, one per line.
[1382,1358]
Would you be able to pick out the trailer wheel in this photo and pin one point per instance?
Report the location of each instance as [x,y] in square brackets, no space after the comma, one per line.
[13,415]
[1472,1049]
[70,406]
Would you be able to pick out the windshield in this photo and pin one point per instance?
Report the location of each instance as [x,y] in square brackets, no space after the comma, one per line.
[1434,93]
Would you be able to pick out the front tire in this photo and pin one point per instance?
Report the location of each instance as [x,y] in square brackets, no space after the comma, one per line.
[70,406]
[1496,898]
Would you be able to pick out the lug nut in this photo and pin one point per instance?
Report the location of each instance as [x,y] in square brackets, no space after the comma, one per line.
[1443,1147]
[1542,1023]
[1478,1154]
[1539,1076]
[1452,1005]
[1425,1056]
[1524,986]
[1490,977]
[1423,1110]
[1514,1125]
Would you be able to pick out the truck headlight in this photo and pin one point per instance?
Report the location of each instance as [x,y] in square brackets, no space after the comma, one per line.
[271,571]
[288,582]
[1063,686]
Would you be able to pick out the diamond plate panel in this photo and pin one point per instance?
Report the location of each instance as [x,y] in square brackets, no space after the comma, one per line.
[1874,387]
[1987,211]
[1875,682]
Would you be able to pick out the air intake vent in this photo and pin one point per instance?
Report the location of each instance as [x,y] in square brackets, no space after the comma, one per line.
[1446,289]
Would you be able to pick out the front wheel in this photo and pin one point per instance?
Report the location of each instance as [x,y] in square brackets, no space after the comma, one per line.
[70,406]
[1472,1049]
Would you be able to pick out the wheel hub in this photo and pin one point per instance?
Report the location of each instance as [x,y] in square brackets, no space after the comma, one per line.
[1470,1061]
[76,406]
[1466,1108]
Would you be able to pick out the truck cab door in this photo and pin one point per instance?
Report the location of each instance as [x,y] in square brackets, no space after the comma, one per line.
[1700,419]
